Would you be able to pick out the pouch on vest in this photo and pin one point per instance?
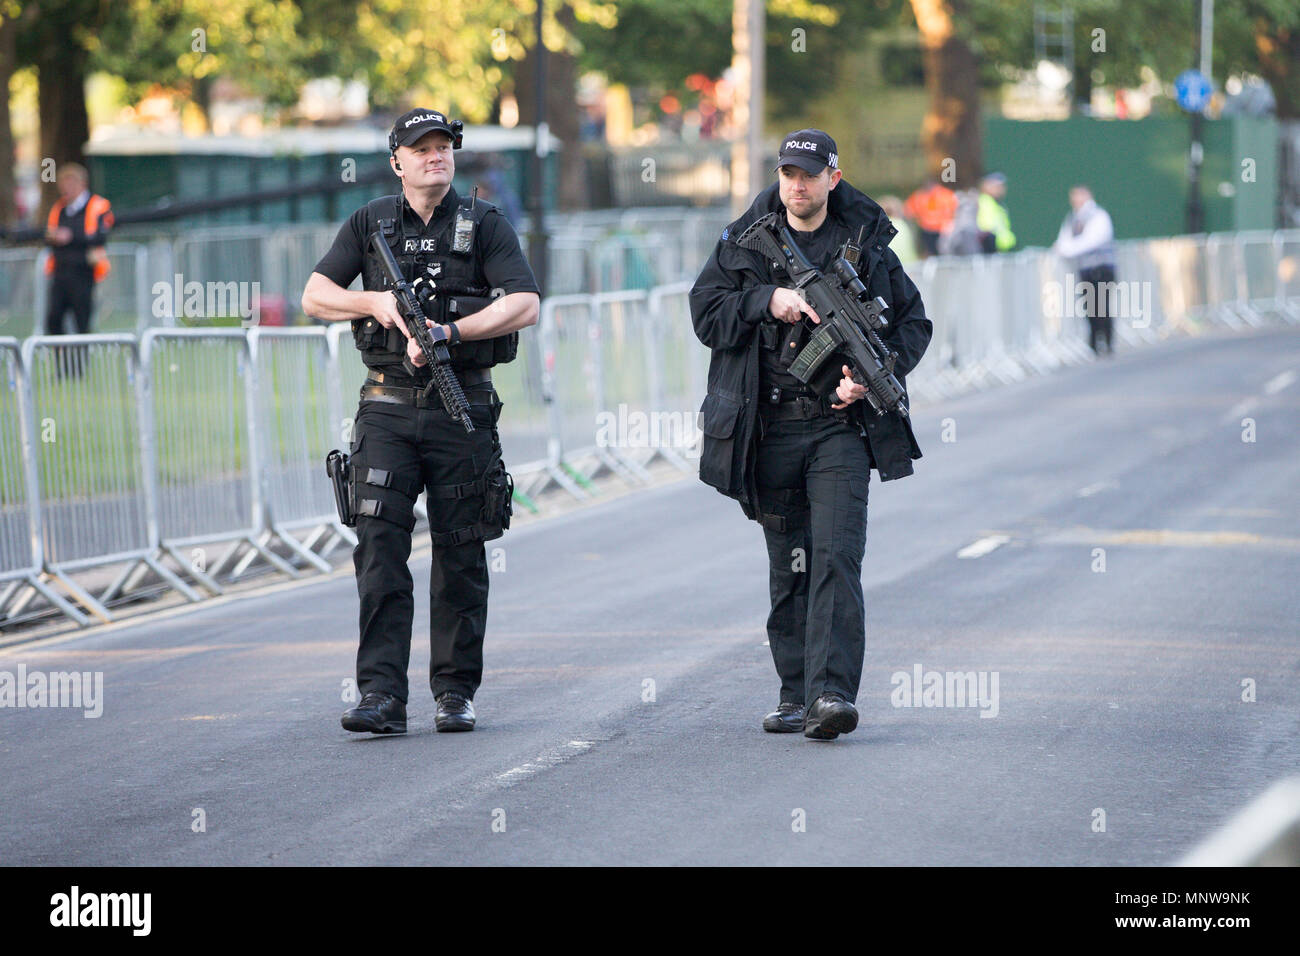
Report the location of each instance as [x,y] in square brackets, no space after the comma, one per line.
[480,353]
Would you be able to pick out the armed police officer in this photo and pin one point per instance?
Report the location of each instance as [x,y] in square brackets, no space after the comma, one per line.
[796,455]
[463,258]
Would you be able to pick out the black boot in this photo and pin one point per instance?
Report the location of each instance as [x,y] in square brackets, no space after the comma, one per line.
[455,712]
[376,714]
[786,719]
[829,716]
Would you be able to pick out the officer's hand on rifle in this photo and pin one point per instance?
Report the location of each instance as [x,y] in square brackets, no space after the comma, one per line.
[788,306]
[848,390]
[384,309]
[413,350]
[415,353]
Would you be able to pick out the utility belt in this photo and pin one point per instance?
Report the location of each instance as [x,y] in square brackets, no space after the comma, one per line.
[778,404]
[357,490]
[362,488]
[476,382]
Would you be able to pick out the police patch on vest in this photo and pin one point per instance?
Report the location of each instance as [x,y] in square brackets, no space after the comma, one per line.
[418,245]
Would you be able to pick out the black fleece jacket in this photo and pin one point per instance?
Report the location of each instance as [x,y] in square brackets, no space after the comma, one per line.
[729,300]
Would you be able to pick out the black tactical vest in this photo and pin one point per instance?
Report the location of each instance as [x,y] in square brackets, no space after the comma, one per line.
[457,273]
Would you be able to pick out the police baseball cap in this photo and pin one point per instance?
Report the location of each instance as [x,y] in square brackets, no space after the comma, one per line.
[412,125]
[811,150]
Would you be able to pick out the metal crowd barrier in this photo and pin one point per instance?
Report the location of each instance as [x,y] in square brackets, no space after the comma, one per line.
[20,283]
[291,434]
[205,461]
[22,562]
[679,371]
[120,455]
[616,337]
[562,330]
[1028,322]
[87,393]
[589,252]
[123,301]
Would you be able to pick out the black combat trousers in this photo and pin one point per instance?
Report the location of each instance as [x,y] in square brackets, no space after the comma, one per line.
[812,475]
[420,448]
[70,290]
[1101,324]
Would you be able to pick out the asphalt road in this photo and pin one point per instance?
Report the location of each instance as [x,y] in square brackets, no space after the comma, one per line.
[1118,691]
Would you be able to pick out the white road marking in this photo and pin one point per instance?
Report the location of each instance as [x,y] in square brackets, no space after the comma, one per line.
[1271,387]
[1279,382]
[1162,537]
[1241,409]
[546,760]
[558,518]
[1096,487]
[1242,512]
[983,546]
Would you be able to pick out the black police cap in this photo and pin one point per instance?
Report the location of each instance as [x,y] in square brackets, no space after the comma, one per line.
[410,126]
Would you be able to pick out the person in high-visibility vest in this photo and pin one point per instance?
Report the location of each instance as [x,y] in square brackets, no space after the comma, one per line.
[76,232]
[932,208]
[993,221]
[903,244]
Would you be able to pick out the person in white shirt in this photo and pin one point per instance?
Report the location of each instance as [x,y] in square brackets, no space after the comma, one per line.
[1087,242]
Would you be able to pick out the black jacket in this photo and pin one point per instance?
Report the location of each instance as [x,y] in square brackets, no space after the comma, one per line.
[730,299]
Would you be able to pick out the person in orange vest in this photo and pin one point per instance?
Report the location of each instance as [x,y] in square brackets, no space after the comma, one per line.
[76,232]
[932,208]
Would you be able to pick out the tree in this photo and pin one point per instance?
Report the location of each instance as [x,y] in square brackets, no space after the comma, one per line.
[1120,40]
[657,44]
[562,116]
[9,25]
[55,38]
[185,45]
[950,132]
[1262,37]
[1115,41]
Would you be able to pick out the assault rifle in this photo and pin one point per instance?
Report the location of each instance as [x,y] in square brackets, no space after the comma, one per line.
[851,323]
[435,351]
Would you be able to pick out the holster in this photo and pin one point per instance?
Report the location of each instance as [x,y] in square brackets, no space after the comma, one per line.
[338,467]
[498,503]
[782,510]
[496,490]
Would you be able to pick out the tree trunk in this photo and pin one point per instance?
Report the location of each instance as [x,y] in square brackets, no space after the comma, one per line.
[8,50]
[950,133]
[65,126]
[562,114]
[202,98]
[1279,63]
